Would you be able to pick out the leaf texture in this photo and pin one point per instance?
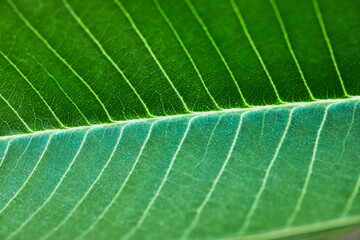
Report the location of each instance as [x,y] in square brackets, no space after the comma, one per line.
[179,120]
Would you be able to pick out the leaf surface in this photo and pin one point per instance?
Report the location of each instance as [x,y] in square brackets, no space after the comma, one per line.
[185,119]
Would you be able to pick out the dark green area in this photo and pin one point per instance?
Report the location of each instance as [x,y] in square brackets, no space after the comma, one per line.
[208,50]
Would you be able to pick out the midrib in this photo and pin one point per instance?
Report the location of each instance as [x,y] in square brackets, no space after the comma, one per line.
[169,117]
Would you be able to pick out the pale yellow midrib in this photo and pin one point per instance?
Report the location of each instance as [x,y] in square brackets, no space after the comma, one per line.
[169,117]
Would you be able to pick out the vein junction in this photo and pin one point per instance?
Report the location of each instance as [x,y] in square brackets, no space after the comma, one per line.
[228,168]
[220,172]
[205,113]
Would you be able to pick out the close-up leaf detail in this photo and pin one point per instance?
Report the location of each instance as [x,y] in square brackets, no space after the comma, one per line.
[179,119]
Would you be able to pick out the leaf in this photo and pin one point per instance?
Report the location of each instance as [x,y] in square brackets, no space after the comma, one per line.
[186,119]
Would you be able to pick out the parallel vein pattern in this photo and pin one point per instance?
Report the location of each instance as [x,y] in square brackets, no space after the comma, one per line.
[263,184]
[103,77]
[47,44]
[52,193]
[150,119]
[35,90]
[126,13]
[86,29]
[286,37]
[212,189]
[131,153]
[202,24]
[309,173]
[186,51]
[248,36]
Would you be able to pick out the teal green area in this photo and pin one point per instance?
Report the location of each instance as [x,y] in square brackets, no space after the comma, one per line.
[236,174]
[183,119]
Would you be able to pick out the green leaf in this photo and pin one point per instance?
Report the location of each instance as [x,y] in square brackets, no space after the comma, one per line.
[200,119]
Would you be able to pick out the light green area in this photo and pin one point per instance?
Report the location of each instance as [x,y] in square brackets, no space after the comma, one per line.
[263,173]
[184,119]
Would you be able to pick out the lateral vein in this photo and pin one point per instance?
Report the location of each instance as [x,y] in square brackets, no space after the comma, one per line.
[62,90]
[167,20]
[287,40]
[267,173]
[328,43]
[47,44]
[107,56]
[27,179]
[52,193]
[133,25]
[151,203]
[212,189]
[310,170]
[63,222]
[33,88]
[107,208]
[16,113]
[202,24]
[248,36]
